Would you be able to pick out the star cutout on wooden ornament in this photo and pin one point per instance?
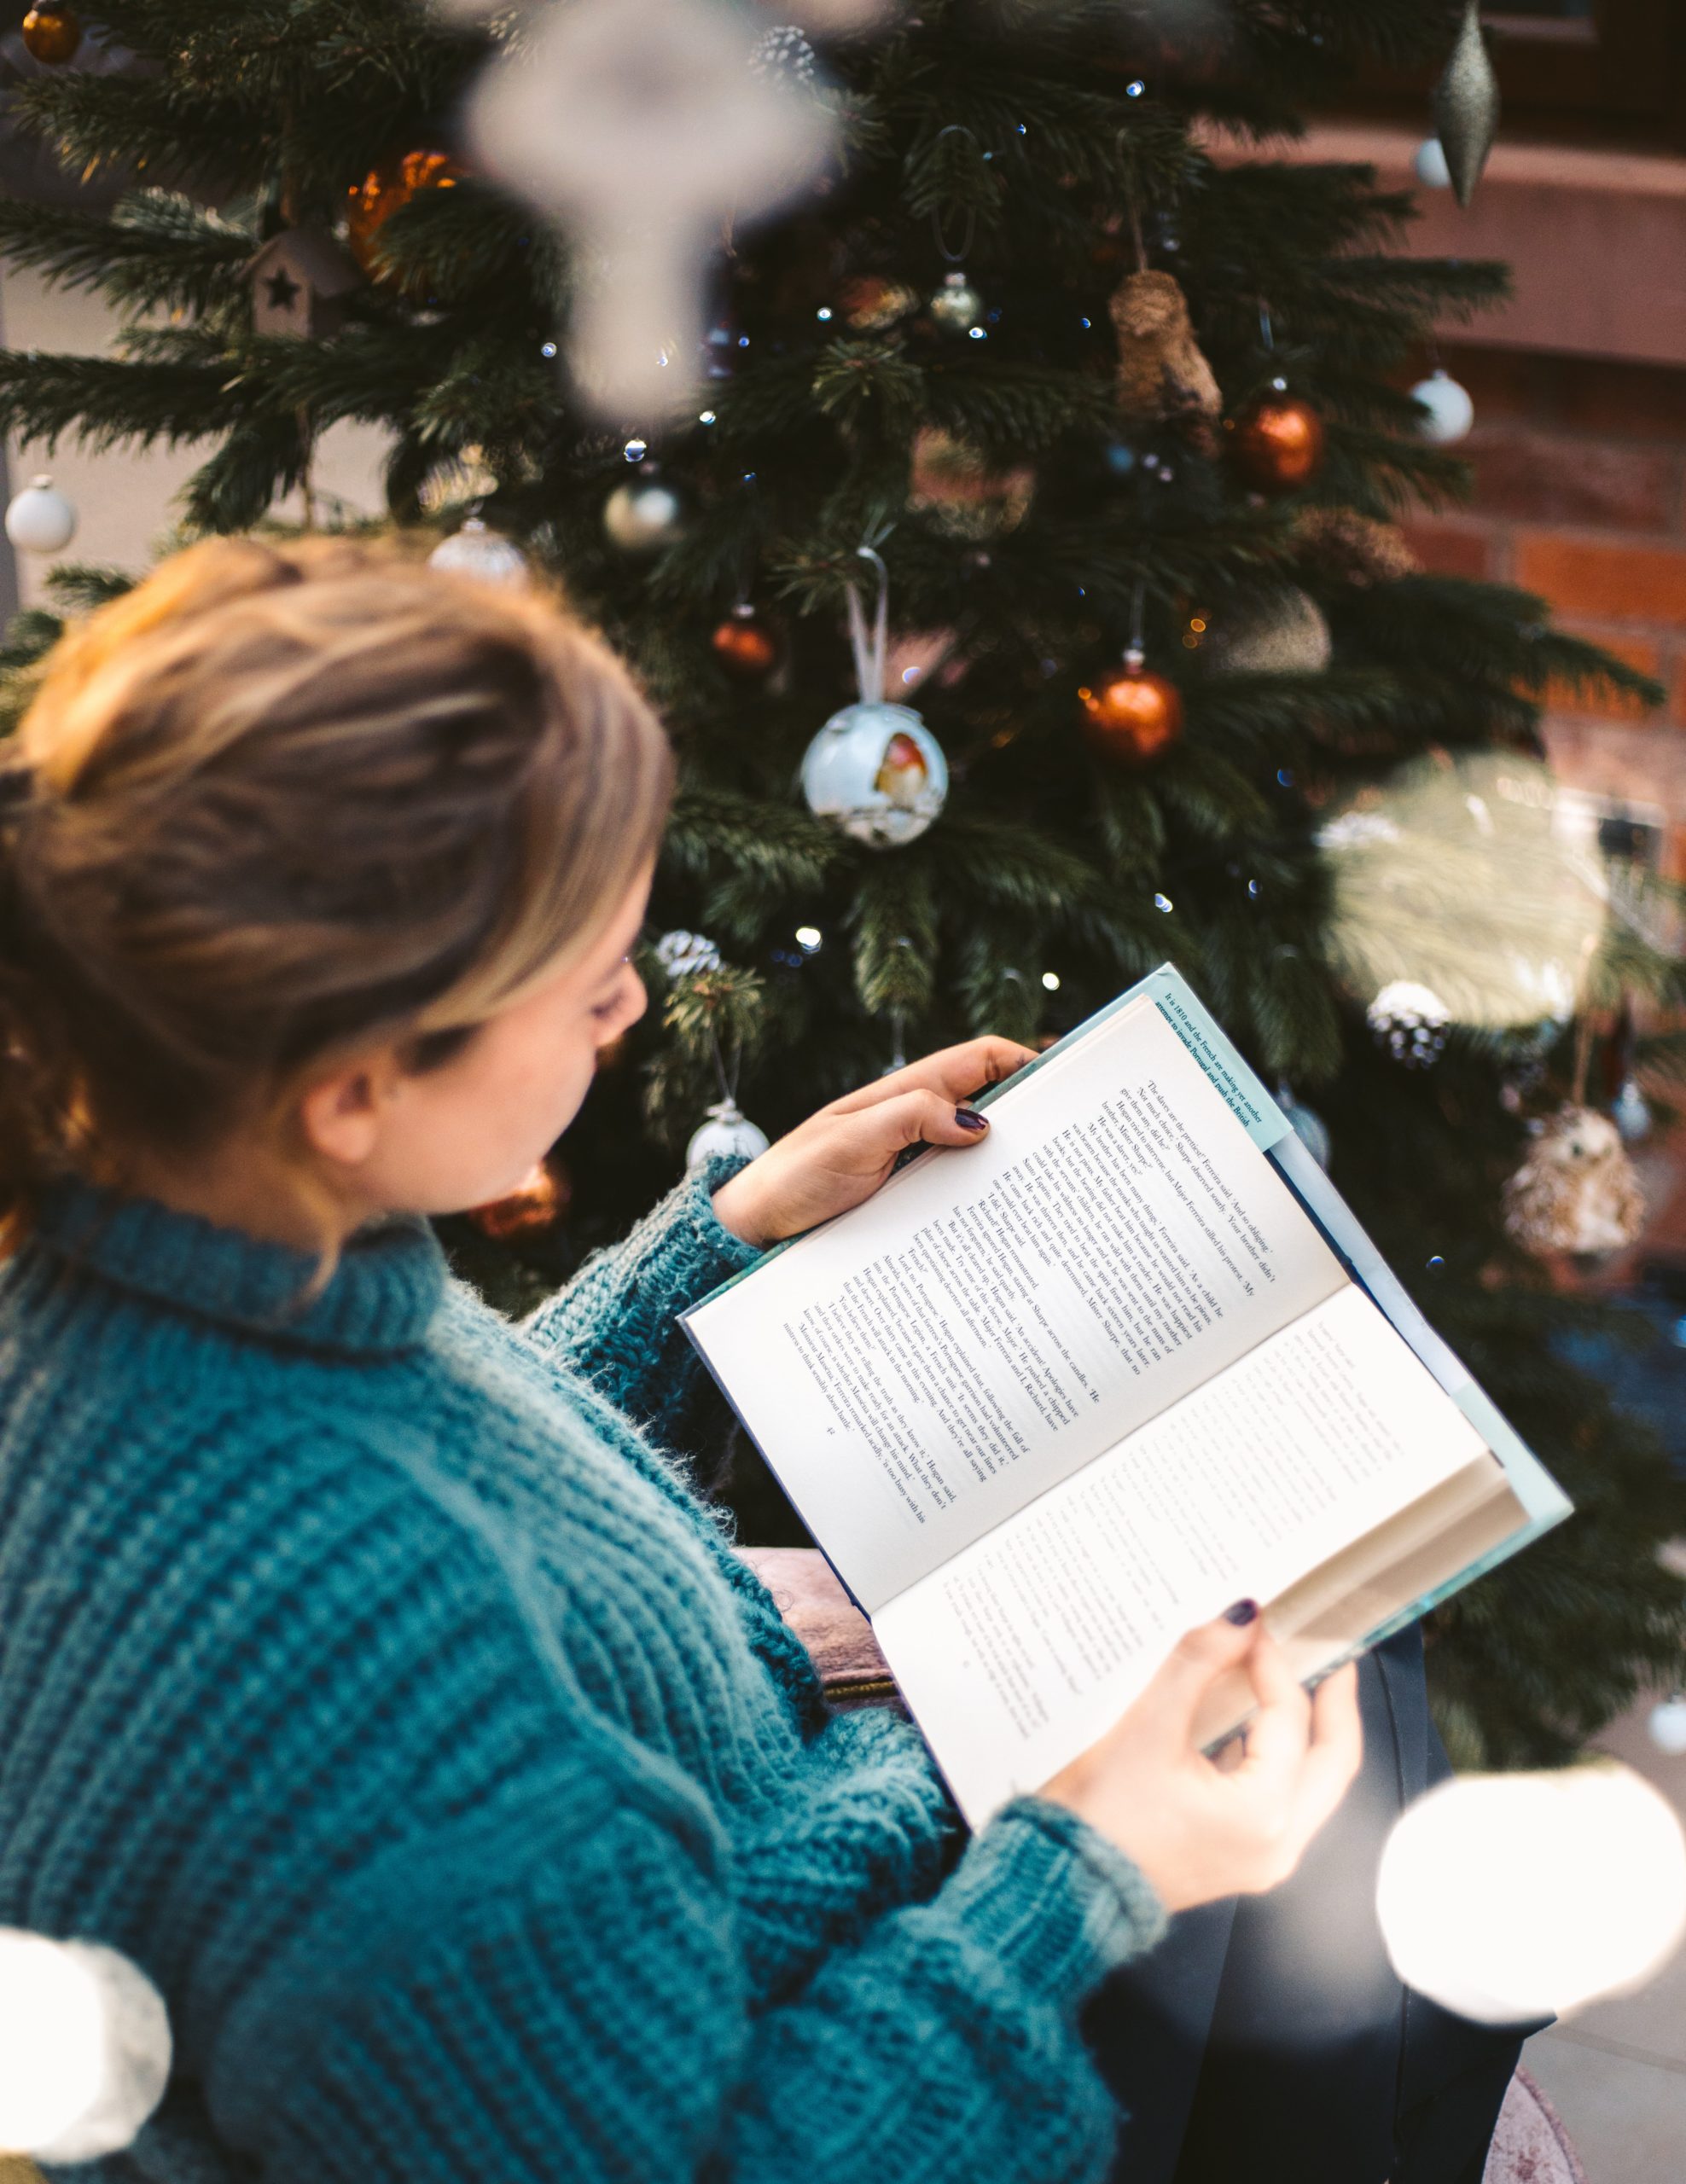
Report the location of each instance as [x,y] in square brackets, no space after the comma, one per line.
[284,290]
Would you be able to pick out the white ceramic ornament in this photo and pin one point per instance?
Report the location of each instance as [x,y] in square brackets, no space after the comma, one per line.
[1430,164]
[727,1135]
[1667,1723]
[1451,411]
[85,2049]
[1631,1114]
[40,519]
[642,126]
[642,516]
[486,556]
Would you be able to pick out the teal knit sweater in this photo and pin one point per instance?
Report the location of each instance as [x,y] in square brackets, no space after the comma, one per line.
[370,1677]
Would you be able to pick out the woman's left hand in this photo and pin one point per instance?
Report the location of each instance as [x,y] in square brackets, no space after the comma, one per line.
[841,1155]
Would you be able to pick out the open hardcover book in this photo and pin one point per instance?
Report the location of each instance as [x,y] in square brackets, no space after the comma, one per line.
[1047,1402]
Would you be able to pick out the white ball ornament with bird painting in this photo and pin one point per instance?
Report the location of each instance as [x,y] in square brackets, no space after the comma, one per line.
[878,772]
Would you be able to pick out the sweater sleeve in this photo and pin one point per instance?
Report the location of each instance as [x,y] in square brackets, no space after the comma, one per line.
[616,1323]
[591,2022]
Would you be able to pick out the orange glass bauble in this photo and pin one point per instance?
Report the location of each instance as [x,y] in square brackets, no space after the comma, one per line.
[535,1204]
[745,646]
[1277,445]
[1132,715]
[373,201]
[51,34]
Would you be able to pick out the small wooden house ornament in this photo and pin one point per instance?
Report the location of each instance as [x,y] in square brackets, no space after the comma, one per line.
[299,281]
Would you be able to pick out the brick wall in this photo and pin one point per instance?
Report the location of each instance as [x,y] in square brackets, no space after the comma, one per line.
[1580,495]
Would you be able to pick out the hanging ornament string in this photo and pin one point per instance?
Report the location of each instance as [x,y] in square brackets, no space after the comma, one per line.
[727,1079]
[950,255]
[871,647]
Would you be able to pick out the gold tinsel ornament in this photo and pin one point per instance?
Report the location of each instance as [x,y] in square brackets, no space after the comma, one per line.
[1576,1190]
[1466,105]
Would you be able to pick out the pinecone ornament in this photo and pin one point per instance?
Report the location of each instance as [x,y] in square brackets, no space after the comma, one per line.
[1162,377]
[1576,1190]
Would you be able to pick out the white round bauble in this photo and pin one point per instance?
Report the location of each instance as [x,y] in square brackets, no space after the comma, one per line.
[85,2049]
[1666,1722]
[1430,163]
[487,556]
[727,1135]
[642,516]
[1510,1896]
[956,306]
[1451,411]
[40,519]
[879,772]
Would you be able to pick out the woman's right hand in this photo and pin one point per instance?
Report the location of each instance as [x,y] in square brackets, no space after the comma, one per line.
[1198,1829]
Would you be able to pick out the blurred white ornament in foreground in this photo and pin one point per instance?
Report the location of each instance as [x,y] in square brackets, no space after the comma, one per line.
[475,551]
[40,519]
[1451,411]
[641,124]
[727,1134]
[85,2047]
[1510,1896]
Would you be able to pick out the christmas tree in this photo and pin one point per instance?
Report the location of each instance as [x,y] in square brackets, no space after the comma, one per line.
[1108,409]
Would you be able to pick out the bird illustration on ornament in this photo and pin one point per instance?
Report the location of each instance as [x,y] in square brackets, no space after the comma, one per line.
[903,774]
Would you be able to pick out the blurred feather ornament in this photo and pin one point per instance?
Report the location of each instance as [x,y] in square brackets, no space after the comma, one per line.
[1278,631]
[51,35]
[538,1202]
[1353,548]
[1466,105]
[85,2049]
[727,1134]
[1576,1190]
[874,768]
[682,954]
[643,126]
[1162,377]
[485,555]
[1276,444]
[1450,410]
[1411,1021]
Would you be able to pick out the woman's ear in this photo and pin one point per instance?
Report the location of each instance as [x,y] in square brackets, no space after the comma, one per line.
[344,1114]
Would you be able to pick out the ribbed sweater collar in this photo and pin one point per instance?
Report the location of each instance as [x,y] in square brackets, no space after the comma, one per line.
[379,1302]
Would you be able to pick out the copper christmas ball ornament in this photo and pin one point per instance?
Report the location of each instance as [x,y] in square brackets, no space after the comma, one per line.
[536,1204]
[1277,445]
[1132,715]
[745,646]
[386,189]
[51,35]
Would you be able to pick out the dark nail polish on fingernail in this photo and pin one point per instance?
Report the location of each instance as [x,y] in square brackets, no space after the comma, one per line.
[1242,1611]
[969,1118]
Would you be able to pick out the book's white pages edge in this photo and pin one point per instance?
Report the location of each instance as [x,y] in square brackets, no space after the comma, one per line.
[890,1474]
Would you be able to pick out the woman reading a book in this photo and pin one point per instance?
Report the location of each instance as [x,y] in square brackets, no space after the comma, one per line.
[372,1676]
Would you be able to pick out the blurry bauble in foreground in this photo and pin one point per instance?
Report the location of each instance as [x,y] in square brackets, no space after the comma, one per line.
[1630,1112]
[877,772]
[1276,444]
[1466,105]
[1665,1724]
[1411,1021]
[1309,1126]
[745,646]
[1450,410]
[385,189]
[644,515]
[486,556]
[1132,715]
[956,306]
[1162,377]
[51,35]
[1504,1897]
[85,2049]
[682,954]
[1429,164]
[1576,1190]
[728,1135]
[538,1202]
[1278,631]
[40,519]
[1474,876]
[953,485]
